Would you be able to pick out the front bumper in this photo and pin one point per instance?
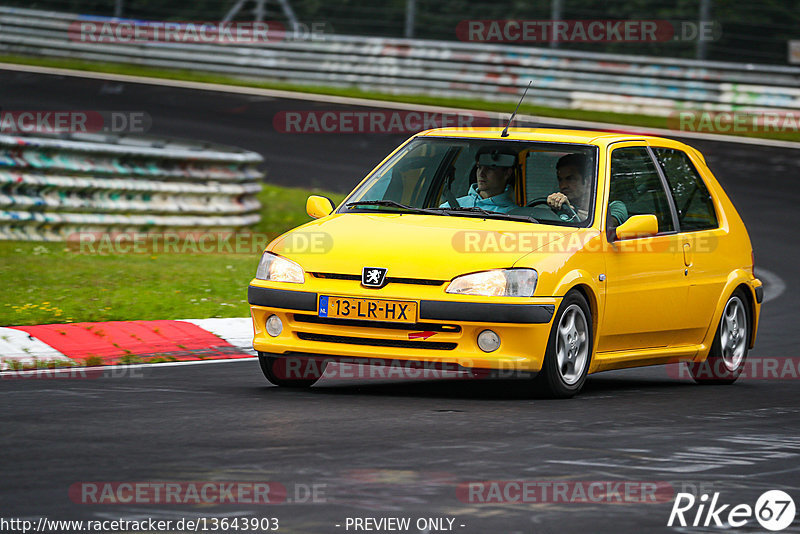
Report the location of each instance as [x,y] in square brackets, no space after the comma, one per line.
[445,331]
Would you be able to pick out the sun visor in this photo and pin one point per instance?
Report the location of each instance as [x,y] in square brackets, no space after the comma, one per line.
[494,159]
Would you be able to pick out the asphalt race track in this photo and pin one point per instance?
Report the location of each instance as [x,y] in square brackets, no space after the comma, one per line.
[381,448]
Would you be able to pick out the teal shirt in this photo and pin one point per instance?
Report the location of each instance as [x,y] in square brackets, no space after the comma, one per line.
[502,203]
[616,208]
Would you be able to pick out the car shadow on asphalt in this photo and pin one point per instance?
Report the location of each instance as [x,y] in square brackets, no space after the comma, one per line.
[485,389]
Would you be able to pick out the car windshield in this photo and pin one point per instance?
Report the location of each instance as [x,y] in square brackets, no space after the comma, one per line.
[484,178]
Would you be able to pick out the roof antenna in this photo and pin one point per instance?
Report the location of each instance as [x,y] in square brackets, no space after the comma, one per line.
[505,130]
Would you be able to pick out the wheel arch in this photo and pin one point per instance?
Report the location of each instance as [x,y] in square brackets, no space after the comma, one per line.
[591,298]
[750,295]
[589,293]
[737,279]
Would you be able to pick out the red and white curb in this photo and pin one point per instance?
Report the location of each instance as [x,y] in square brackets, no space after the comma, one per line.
[113,342]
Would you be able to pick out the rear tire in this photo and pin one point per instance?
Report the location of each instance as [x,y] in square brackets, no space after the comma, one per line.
[569,349]
[728,353]
[291,371]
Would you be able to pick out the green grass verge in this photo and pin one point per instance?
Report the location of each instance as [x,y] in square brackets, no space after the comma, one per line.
[53,283]
[465,103]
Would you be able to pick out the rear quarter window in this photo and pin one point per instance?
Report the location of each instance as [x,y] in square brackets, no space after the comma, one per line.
[692,200]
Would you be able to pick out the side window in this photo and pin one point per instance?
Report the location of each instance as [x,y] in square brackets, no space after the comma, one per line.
[464,166]
[636,184]
[692,199]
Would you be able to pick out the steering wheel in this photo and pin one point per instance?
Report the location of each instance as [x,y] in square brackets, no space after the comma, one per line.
[567,208]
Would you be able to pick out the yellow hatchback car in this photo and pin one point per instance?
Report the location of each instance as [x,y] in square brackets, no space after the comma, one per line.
[549,254]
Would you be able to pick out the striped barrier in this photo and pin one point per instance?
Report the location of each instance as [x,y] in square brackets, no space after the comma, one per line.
[562,78]
[124,342]
[52,187]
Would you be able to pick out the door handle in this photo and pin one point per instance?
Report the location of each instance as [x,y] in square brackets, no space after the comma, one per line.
[687,254]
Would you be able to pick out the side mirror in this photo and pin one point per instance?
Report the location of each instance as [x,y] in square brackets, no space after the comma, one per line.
[638,226]
[317,206]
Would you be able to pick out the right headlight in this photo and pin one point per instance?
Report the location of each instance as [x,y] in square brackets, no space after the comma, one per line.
[279,269]
[496,283]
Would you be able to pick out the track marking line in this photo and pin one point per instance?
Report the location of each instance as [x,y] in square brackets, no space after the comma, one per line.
[774,286]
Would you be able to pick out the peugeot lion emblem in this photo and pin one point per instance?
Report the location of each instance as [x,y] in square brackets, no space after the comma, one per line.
[373,276]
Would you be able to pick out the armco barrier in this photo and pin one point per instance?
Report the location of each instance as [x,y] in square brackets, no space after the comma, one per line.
[51,187]
[564,79]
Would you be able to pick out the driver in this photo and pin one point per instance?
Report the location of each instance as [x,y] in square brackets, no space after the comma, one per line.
[494,189]
[572,185]
[575,192]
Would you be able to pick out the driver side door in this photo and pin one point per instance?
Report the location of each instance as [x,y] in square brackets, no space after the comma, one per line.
[646,289]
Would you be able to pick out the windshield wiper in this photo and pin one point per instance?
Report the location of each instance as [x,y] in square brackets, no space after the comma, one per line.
[393,204]
[467,211]
[491,214]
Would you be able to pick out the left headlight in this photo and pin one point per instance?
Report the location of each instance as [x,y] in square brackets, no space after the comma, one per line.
[278,269]
[496,283]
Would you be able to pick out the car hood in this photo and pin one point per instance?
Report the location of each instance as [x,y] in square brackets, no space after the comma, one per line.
[413,246]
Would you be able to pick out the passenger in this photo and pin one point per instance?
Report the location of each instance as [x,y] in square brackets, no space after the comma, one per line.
[494,189]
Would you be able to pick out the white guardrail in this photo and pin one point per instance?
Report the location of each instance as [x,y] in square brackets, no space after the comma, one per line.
[563,79]
[52,188]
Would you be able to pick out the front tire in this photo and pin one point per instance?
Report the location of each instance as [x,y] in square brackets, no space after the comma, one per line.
[728,353]
[569,349]
[291,371]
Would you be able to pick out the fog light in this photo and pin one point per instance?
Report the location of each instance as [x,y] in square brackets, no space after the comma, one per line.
[274,326]
[488,341]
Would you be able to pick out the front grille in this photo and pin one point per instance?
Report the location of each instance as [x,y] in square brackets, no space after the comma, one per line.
[401,343]
[314,319]
[389,279]
[336,276]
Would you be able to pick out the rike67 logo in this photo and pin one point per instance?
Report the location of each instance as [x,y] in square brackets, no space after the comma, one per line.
[774,510]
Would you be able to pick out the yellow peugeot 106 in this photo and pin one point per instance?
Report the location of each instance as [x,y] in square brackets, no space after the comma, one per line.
[549,253]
